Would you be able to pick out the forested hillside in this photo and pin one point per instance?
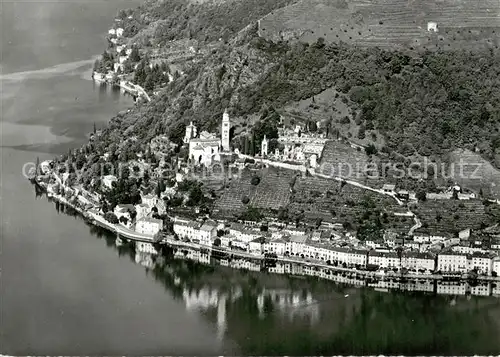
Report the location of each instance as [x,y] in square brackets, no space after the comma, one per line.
[425,104]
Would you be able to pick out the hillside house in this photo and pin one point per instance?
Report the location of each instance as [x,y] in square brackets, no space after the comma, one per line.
[389,188]
[432,26]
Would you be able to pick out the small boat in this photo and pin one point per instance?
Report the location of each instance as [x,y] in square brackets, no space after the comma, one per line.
[118,242]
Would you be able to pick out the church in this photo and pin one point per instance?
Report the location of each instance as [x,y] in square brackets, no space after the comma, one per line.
[206,148]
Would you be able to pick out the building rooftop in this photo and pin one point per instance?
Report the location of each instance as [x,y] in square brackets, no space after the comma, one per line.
[389,187]
[298,238]
[207,227]
[150,220]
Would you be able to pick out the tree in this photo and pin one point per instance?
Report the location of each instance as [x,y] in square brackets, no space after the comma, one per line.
[421,195]
[245,200]
[255,180]
[361,133]
[111,217]
[371,150]
[149,83]
[134,55]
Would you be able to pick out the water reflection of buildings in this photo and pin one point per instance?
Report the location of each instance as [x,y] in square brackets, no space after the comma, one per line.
[291,304]
[205,299]
[144,259]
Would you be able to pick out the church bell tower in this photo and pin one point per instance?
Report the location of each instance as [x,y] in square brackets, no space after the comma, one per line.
[226,126]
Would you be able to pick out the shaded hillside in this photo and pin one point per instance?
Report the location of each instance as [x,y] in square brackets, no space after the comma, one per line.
[159,21]
[462,24]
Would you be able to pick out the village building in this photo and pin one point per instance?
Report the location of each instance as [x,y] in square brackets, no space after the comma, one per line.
[108,180]
[432,26]
[186,229]
[240,232]
[149,226]
[496,266]
[276,246]
[256,246]
[296,245]
[452,262]
[264,146]
[418,261]
[384,259]
[191,132]
[389,188]
[123,211]
[150,200]
[225,130]
[481,262]
[207,232]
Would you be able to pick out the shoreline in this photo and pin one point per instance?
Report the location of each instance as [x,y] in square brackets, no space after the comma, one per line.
[318,269]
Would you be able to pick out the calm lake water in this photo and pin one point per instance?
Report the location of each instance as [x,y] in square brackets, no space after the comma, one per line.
[67,290]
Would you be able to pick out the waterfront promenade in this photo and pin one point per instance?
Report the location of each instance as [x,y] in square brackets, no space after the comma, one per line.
[164,239]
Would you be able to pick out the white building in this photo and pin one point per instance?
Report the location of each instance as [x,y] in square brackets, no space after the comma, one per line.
[417,261]
[142,210]
[264,146]
[119,32]
[207,233]
[384,259]
[296,245]
[150,226]
[481,262]
[191,133]
[452,262]
[242,233]
[256,246]
[226,127]
[496,265]
[432,26]
[204,151]
[108,180]
[112,32]
[276,246]
[124,211]
[150,200]
[186,229]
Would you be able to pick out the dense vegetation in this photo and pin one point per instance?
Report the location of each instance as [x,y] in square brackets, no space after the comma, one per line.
[207,21]
[424,106]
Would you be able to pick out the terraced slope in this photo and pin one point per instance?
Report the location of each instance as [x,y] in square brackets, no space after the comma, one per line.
[389,23]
